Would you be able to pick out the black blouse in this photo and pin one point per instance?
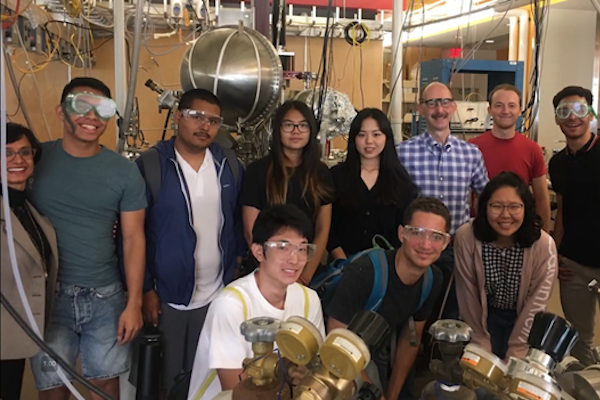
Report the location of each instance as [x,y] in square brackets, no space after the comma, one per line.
[19,207]
[254,188]
[354,226]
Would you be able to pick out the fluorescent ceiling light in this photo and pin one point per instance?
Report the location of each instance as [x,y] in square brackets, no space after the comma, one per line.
[489,41]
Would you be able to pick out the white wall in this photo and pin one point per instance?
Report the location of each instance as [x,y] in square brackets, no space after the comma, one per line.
[567,59]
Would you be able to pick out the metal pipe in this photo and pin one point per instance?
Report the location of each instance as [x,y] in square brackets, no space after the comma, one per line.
[395,111]
[13,79]
[135,58]
[120,58]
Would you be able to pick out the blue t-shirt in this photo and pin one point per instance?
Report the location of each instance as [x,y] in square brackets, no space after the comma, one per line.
[83,197]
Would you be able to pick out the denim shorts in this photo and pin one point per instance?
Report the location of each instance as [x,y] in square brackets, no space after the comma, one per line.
[84,323]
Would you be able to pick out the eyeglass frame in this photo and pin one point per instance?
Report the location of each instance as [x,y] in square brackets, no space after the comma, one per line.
[207,116]
[310,246]
[506,207]
[294,126]
[436,101]
[446,235]
[14,155]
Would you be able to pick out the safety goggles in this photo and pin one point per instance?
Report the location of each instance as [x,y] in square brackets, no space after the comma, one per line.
[416,234]
[285,250]
[579,109]
[80,104]
[202,117]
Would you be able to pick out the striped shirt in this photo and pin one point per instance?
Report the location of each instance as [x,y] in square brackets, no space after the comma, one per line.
[445,172]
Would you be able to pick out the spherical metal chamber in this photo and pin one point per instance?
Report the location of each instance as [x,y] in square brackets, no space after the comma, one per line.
[241,67]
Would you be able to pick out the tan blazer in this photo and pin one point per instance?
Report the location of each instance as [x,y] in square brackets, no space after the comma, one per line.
[39,289]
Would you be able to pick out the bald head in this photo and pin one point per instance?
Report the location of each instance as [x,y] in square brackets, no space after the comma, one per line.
[441,89]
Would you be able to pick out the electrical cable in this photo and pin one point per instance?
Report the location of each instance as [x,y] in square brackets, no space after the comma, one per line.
[166,125]
[42,345]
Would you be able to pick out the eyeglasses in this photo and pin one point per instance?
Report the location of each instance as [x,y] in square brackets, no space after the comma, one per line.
[432,103]
[579,109]
[82,103]
[288,127]
[284,250]
[26,152]
[202,117]
[418,234]
[513,208]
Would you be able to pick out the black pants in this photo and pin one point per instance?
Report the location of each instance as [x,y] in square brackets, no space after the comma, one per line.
[12,379]
[500,324]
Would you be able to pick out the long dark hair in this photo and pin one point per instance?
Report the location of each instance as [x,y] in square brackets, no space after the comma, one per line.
[308,170]
[530,230]
[393,187]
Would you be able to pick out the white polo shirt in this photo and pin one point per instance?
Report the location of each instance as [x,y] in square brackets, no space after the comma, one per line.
[205,201]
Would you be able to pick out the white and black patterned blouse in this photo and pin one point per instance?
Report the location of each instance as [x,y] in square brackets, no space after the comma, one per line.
[502,269]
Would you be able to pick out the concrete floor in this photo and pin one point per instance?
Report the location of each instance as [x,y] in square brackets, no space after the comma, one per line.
[127,392]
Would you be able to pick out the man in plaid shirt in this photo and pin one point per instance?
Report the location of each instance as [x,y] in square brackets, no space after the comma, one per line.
[444,167]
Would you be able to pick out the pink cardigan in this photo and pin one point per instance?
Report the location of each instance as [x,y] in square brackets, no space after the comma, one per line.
[540,267]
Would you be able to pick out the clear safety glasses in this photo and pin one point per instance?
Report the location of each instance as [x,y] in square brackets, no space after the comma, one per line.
[416,234]
[284,250]
[80,104]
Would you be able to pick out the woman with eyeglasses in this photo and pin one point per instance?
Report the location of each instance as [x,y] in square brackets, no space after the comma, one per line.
[291,173]
[372,188]
[36,256]
[505,268]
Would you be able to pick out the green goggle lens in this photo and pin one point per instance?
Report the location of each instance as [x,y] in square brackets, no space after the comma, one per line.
[83,103]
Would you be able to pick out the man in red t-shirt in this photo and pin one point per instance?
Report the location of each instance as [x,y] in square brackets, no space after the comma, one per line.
[504,149]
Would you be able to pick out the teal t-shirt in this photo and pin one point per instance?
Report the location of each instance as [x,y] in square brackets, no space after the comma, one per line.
[83,197]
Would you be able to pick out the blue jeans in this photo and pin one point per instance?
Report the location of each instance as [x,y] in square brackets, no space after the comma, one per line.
[500,324]
[84,322]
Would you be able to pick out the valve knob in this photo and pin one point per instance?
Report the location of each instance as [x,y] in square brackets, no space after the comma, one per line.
[260,329]
[450,330]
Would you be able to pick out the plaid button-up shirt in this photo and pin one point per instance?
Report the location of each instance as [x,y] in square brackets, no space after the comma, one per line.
[445,172]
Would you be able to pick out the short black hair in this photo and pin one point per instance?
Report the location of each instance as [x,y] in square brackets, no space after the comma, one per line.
[530,230]
[84,81]
[16,132]
[573,91]
[272,220]
[187,98]
[505,86]
[428,205]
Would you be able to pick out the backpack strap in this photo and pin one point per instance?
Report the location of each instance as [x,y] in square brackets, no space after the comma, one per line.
[241,297]
[386,243]
[426,288]
[233,162]
[306,301]
[425,291]
[152,172]
[380,269]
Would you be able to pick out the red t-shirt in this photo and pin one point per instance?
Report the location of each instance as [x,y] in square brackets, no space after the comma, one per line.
[520,155]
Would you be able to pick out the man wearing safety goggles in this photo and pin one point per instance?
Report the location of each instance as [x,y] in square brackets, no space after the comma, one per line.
[83,188]
[575,175]
[193,228]
[423,238]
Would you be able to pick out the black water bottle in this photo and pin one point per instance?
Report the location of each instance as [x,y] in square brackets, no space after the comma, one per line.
[150,352]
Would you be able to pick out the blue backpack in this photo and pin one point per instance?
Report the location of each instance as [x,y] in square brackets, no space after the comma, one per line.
[326,282]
